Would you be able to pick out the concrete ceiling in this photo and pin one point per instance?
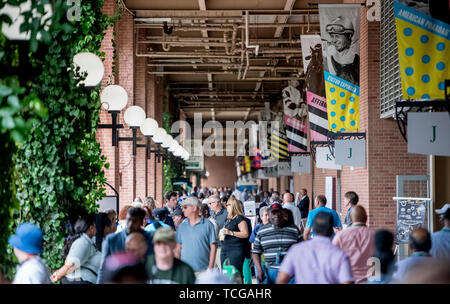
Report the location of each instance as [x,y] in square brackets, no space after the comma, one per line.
[205,61]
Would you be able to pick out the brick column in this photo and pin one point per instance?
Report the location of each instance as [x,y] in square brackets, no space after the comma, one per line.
[387,151]
[125,50]
[104,136]
[159,118]
[140,100]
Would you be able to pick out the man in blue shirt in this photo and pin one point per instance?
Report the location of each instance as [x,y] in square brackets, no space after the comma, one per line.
[196,238]
[115,242]
[321,201]
[440,240]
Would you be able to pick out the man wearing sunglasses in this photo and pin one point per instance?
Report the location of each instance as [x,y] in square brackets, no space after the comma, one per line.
[342,58]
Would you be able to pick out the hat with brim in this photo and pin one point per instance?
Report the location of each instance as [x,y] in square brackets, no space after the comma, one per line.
[191,201]
[165,235]
[275,206]
[443,209]
[28,238]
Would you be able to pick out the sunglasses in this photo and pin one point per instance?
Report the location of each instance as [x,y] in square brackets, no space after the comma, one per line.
[337,28]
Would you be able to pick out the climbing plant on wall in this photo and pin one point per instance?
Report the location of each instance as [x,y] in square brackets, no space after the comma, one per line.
[174,167]
[59,166]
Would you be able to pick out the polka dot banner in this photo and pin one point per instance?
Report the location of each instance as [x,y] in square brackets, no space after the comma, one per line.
[424,52]
[342,104]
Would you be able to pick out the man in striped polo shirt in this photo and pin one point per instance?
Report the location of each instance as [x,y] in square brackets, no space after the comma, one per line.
[273,240]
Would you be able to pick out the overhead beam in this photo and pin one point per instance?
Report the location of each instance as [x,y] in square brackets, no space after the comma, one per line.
[283,19]
[192,14]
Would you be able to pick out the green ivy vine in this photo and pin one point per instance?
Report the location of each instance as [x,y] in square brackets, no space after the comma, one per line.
[58,169]
[173,167]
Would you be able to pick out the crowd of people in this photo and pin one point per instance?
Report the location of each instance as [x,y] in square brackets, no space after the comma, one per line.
[205,237]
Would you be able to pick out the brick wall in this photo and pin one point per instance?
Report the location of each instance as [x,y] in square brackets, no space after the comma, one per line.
[104,136]
[125,50]
[387,151]
[221,171]
[140,100]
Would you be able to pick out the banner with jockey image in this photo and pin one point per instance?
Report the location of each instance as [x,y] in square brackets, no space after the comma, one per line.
[315,86]
[339,28]
[295,118]
[423,51]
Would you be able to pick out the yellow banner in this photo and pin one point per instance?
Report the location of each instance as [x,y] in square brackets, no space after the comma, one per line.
[424,52]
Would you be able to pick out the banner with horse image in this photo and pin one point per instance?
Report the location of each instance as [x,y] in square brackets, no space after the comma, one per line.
[339,28]
[294,109]
[423,51]
[315,86]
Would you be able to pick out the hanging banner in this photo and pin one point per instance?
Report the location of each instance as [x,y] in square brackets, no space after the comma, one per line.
[284,169]
[315,86]
[428,133]
[350,152]
[247,164]
[325,160]
[278,145]
[423,51]
[301,164]
[256,160]
[294,118]
[339,28]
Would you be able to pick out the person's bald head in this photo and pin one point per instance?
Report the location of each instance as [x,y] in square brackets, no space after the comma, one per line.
[420,240]
[136,244]
[358,214]
[288,197]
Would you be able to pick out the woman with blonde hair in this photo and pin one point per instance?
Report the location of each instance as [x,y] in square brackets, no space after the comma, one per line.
[235,243]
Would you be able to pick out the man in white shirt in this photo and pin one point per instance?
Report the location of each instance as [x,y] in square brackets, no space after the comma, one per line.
[27,244]
[288,203]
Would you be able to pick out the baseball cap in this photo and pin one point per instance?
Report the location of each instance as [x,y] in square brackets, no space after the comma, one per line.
[191,200]
[165,235]
[275,206]
[28,238]
[160,213]
[443,209]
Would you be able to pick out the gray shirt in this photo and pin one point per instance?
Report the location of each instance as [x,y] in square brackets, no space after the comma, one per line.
[220,217]
[86,258]
[195,243]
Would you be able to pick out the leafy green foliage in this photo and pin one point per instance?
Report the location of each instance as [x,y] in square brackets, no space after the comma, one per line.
[58,168]
[172,167]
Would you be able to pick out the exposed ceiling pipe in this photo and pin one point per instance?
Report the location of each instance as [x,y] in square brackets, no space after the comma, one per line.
[247,66]
[225,40]
[165,46]
[256,47]
[242,58]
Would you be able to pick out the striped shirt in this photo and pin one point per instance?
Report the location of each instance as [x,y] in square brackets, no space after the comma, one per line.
[270,241]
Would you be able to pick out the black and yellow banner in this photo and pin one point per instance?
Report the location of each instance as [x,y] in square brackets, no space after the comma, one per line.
[278,146]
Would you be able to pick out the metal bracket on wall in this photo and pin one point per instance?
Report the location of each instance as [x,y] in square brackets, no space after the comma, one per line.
[332,136]
[433,105]
[314,145]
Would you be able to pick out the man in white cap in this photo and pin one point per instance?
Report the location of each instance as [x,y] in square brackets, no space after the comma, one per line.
[440,240]
[27,244]
[196,238]
[342,58]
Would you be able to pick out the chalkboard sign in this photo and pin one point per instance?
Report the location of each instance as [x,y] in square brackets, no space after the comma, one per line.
[410,215]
